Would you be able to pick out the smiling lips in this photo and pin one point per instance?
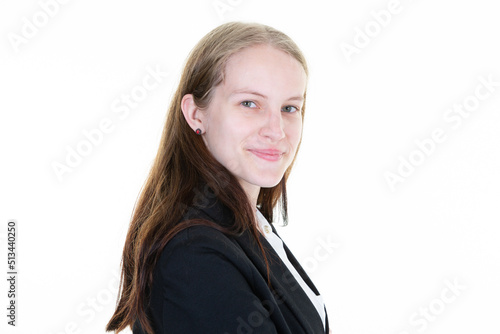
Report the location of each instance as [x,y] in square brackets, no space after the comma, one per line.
[269,155]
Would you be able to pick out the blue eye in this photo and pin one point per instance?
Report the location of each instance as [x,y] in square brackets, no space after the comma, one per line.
[248,104]
[290,109]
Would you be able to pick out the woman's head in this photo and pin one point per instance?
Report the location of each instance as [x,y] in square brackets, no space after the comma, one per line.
[253,122]
[244,86]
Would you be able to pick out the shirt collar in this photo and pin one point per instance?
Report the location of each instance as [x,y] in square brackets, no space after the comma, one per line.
[263,223]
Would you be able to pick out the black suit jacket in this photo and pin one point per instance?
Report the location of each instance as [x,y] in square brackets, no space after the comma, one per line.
[206,282]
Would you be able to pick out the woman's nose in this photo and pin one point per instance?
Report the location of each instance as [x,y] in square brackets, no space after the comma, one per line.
[273,126]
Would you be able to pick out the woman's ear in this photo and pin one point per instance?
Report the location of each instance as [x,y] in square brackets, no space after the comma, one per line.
[192,113]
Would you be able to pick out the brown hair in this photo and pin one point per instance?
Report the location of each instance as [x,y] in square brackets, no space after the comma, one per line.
[183,162]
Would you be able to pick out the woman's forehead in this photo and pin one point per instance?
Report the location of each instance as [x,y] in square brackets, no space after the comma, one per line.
[263,69]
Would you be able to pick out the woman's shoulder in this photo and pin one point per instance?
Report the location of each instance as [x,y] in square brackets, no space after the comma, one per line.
[199,235]
[201,251]
[206,239]
[197,242]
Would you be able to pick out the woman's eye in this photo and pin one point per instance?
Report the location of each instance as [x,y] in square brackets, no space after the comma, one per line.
[290,109]
[248,104]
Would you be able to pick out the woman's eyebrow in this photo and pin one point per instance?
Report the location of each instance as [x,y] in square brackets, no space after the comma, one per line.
[246,91]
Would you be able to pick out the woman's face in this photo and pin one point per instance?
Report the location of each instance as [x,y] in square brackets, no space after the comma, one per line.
[253,123]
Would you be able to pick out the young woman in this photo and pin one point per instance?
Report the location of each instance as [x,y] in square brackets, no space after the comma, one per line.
[201,255]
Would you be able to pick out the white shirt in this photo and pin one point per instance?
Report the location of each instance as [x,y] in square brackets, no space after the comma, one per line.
[277,244]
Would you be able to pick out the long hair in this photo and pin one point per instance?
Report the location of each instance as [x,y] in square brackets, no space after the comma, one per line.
[183,162]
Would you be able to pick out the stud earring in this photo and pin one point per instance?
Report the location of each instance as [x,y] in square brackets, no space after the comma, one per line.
[198,131]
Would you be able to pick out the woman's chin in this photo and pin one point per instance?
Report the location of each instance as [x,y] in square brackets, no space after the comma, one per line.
[269,183]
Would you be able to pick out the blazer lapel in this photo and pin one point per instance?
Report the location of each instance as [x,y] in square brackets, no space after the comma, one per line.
[284,283]
[282,280]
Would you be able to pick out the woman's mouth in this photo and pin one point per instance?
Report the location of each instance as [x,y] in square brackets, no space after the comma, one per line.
[269,155]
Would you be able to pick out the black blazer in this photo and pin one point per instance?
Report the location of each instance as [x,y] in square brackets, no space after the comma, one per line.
[206,282]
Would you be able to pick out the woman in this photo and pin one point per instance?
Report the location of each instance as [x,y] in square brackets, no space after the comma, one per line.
[200,255]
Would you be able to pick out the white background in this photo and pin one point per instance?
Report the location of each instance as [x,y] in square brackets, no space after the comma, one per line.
[379,256]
